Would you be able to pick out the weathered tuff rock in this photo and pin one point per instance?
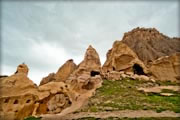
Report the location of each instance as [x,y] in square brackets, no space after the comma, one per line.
[22,68]
[90,64]
[87,75]
[149,44]
[64,71]
[49,78]
[20,97]
[80,85]
[84,80]
[122,58]
[166,68]
[17,94]
[62,74]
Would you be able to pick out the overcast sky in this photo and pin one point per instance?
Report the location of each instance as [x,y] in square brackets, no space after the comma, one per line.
[46,34]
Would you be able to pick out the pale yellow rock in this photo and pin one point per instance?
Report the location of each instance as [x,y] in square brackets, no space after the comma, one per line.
[166,68]
[122,58]
[62,74]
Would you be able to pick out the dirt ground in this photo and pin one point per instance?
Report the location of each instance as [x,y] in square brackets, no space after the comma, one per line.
[119,114]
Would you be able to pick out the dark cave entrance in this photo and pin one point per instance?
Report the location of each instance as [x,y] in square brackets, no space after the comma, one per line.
[114,69]
[94,73]
[137,69]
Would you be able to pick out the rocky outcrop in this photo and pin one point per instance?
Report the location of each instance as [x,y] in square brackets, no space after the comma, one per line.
[62,74]
[90,64]
[22,68]
[60,93]
[84,80]
[166,68]
[149,44]
[17,95]
[143,54]
[49,78]
[65,70]
[87,74]
[20,97]
[17,84]
[122,58]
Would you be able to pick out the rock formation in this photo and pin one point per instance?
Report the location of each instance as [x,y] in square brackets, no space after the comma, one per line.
[62,74]
[60,93]
[166,68]
[87,74]
[17,94]
[122,58]
[49,78]
[143,54]
[64,71]
[20,97]
[149,44]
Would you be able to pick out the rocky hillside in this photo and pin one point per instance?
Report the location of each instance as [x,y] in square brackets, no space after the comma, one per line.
[149,44]
[140,78]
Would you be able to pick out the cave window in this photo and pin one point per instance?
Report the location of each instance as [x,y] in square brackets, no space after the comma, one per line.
[94,73]
[114,69]
[138,69]
[69,102]
[6,100]
[16,102]
[28,101]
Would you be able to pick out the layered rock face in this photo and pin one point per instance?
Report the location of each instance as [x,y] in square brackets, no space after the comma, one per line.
[149,44]
[122,58]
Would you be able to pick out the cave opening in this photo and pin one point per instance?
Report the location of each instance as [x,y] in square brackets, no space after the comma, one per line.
[114,69]
[16,102]
[94,73]
[28,101]
[137,69]
[6,100]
